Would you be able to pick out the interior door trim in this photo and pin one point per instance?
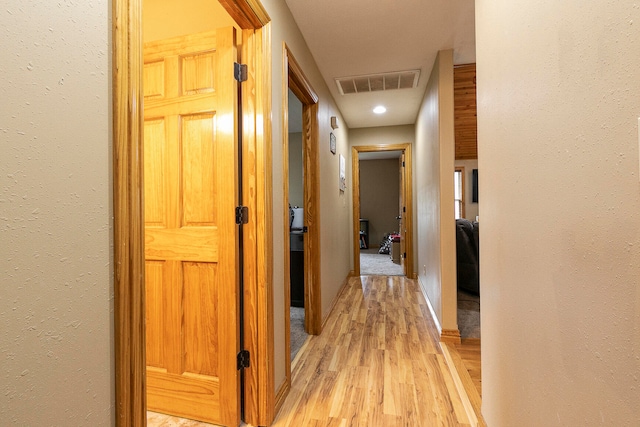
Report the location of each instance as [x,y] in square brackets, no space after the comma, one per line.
[295,79]
[128,210]
[299,84]
[408,194]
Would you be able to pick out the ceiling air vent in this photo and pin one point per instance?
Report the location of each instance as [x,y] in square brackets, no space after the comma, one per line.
[378,82]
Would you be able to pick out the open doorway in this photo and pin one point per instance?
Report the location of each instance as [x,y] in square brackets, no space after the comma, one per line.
[467,248]
[297,229]
[380,213]
[398,216]
[302,239]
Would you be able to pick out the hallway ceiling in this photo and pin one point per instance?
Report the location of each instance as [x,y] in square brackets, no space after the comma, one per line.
[361,37]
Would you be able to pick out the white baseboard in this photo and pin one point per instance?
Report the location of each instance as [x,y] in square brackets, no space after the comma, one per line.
[431,310]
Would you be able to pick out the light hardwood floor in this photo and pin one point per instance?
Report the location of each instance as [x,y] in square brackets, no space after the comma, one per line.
[377,363]
[469,350]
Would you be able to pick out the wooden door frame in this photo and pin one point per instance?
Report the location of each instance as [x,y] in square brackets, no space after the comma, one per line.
[296,80]
[408,194]
[128,211]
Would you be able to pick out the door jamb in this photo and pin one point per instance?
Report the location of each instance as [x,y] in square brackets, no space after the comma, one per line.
[408,194]
[300,86]
[128,210]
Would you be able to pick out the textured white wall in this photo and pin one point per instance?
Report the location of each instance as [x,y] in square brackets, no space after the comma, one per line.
[56,332]
[434,168]
[558,108]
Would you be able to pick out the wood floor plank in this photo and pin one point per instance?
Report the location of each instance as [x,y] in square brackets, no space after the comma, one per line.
[469,351]
[456,402]
[377,363]
[466,359]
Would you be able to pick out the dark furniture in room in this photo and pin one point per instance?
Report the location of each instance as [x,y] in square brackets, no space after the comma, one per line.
[296,268]
[467,256]
[364,233]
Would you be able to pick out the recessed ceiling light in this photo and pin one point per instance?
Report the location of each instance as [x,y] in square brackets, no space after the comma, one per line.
[379,110]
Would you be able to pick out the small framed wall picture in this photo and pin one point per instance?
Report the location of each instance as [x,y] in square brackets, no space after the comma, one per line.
[332,143]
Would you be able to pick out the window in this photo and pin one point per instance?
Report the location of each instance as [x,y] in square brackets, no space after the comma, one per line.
[458,191]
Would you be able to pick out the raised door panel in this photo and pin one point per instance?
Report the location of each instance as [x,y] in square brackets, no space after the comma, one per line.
[198,177]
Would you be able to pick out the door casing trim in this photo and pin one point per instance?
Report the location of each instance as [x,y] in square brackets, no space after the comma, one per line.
[295,79]
[408,196]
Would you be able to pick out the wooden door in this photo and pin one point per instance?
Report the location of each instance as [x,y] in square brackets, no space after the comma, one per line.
[190,191]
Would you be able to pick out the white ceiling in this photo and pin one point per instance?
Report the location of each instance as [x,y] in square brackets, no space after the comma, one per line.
[357,37]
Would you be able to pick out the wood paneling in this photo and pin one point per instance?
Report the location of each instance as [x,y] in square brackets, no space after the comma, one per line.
[464,101]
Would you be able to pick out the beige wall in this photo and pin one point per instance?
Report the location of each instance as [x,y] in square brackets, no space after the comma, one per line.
[558,108]
[380,197]
[55,215]
[334,210]
[434,156]
[382,135]
[470,209]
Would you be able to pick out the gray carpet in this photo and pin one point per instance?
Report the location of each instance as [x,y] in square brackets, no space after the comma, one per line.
[373,263]
[468,315]
[298,335]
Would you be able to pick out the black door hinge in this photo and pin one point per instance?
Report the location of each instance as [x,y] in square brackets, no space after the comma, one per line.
[404,255]
[242,215]
[240,72]
[404,209]
[402,164]
[243,359]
